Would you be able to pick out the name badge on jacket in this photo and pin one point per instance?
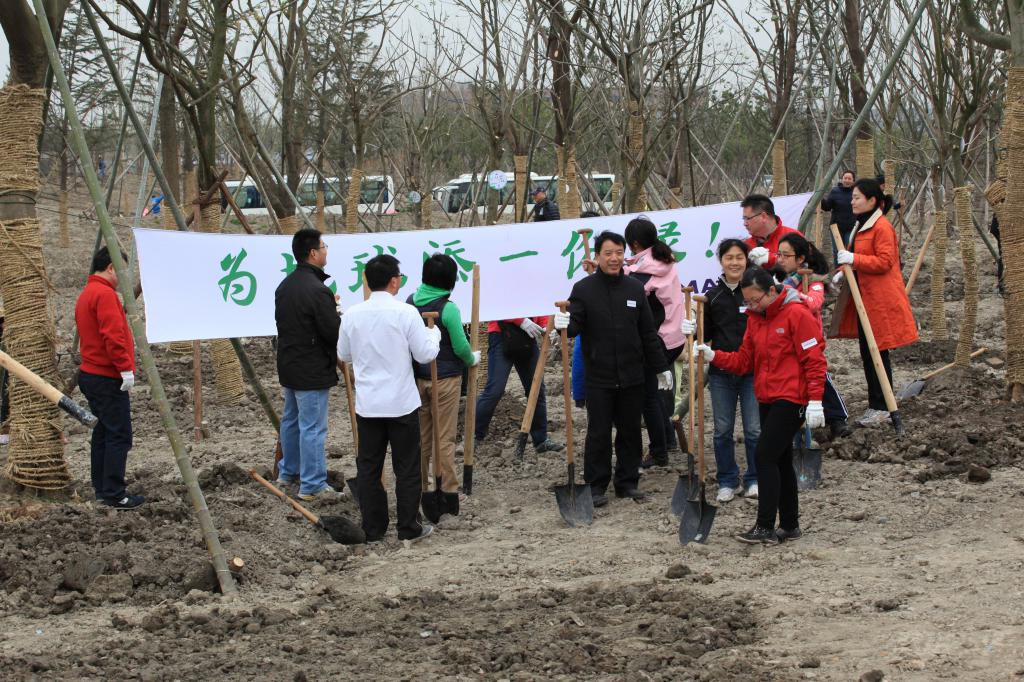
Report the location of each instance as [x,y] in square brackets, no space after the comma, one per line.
[630,304]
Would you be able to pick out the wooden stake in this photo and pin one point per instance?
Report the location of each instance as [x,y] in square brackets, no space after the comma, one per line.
[469,428]
[197,392]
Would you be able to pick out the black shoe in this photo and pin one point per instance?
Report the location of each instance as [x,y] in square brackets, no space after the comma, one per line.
[631,493]
[839,429]
[661,460]
[647,462]
[548,446]
[126,502]
[599,499]
[425,530]
[759,536]
[789,535]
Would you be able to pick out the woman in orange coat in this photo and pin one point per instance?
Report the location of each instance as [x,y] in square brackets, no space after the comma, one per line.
[873,252]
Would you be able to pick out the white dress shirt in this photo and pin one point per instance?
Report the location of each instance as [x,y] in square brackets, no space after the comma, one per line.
[380,337]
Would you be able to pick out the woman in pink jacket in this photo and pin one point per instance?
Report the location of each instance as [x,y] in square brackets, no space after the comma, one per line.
[654,264]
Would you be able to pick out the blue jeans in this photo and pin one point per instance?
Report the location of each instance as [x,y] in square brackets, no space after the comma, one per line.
[303,434]
[498,368]
[726,389]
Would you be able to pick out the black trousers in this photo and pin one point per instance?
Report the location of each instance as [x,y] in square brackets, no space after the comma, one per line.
[655,418]
[621,408]
[5,408]
[776,479]
[876,399]
[375,434]
[112,437]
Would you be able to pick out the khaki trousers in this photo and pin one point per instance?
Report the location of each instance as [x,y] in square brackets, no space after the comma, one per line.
[448,391]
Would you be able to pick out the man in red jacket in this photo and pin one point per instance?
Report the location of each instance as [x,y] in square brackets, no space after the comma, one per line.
[765,228]
[107,374]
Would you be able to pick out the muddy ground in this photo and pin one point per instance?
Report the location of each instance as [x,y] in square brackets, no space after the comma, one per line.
[910,567]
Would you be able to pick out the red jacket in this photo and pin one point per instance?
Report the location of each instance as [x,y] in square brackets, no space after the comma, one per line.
[784,348]
[771,242]
[542,320]
[107,344]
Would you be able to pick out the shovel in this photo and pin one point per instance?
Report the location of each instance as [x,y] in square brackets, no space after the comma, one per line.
[574,501]
[807,463]
[686,485]
[338,527]
[917,385]
[469,430]
[698,513]
[432,501]
[531,402]
[39,385]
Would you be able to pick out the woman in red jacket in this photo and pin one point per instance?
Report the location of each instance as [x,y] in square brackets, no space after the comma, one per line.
[784,348]
[873,252]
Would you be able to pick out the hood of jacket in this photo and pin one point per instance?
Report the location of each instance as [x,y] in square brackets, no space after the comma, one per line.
[425,294]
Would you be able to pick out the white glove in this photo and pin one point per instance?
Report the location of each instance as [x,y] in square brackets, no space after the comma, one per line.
[701,349]
[688,327]
[665,381]
[758,255]
[476,358]
[815,414]
[534,330]
[127,380]
[844,257]
[838,278]
[435,334]
[561,321]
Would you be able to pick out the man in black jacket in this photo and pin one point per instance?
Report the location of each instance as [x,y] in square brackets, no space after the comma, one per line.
[620,343]
[838,202]
[307,355]
[544,209]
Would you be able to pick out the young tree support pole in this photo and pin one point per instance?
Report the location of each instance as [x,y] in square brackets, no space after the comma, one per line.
[125,285]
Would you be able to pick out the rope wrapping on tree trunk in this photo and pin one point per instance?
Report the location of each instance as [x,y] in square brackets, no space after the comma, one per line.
[572,206]
[36,456]
[1011,226]
[780,181]
[321,212]
[352,202]
[866,158]
[938,286]
[964,226]
[520,161]
[227,371]
[289,224]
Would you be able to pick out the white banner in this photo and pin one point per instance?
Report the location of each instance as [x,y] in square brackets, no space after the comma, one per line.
[211,286]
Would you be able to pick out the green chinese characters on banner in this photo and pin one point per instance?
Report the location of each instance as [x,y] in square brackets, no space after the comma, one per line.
[465,265]
[359,265]
[237,284]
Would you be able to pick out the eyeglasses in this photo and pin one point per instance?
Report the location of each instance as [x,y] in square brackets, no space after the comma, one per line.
[322,247]
[756,301]
[784,254]
[748,218]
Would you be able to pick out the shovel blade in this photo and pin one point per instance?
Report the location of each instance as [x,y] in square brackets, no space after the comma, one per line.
[807,465]
[431,503]
[698,516]
[342,530]
[521,444]
[910,390]
[687,488]
[575,504]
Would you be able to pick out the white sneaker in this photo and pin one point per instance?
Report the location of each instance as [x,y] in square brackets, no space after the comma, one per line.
[324,494]
[726,494]
[872,416]
[751,491]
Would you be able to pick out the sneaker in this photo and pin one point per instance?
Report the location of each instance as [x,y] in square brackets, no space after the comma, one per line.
[549,446]
[758,536]
[325,493]
[425,530]
[286,480]
[631,493]
[788,535]
[126,502]
[839,429]
[751,491]
[726,494]
[872,416]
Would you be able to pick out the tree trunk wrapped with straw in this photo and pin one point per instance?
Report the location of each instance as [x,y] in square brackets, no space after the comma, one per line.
[227,371]
[636,195]
[965,343]
[866,158]
[289,224]
[616,193]
[521,182]
[426,207]
[352,202]
[321,213]
[938,299]
[35,458]
[1011,227]
[571,206]
[780,181]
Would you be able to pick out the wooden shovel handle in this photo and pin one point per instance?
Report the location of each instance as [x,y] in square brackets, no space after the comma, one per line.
[434,409]
[538,379]
[566,389]
[691,417]
[805,283]
[865,323]
[51,393]
[931,375]
[310,516]
[699,389]
[468,454]
[585,232]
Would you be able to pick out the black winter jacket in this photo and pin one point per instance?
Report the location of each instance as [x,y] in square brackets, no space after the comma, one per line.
[838,202]
[620,341]
[725,319]
[545,211]
[307,330]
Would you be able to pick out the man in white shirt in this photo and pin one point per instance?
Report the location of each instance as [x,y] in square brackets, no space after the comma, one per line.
[381,337]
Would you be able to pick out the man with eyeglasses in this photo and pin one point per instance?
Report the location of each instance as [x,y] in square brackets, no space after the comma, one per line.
[307,356]
[765,228]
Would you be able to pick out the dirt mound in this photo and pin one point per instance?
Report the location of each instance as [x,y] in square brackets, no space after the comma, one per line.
[657,632]
[925,353]
[959,421]
[222,476]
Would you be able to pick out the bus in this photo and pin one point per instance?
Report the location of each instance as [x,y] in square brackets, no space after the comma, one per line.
[376,195]
[458,193]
